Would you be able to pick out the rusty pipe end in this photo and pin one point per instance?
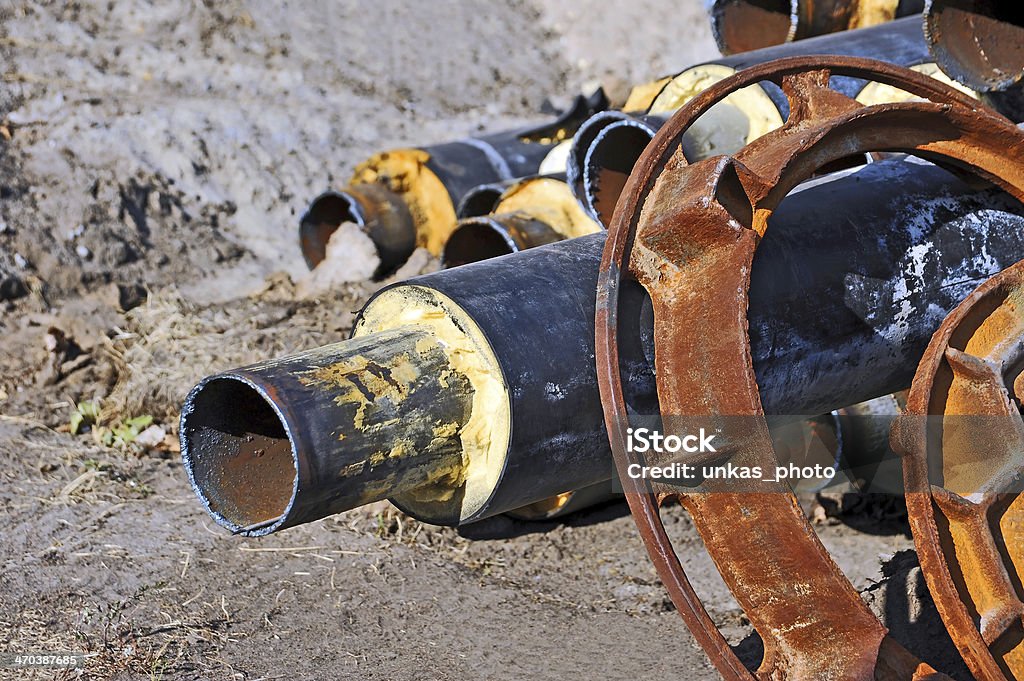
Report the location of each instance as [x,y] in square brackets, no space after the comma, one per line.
[380,213]
[239,454]
[608,163]
[979,43]
[744,25]
[581,142]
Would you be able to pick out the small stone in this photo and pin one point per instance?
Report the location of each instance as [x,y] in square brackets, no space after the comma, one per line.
[151,437]
[21,261]
[83,252]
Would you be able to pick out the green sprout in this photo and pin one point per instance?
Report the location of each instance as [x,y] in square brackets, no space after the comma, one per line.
[125,432]
[86,414]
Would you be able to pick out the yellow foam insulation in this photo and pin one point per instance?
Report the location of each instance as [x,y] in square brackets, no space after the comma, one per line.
[549,201]
[486,434]
[405,172]
[752,102]
[879,93]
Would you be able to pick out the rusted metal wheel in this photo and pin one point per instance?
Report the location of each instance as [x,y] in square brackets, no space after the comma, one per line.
[687,234]
[963,445]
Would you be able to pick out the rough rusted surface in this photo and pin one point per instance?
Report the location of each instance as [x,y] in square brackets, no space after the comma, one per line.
[688,235]
[980,43]
[963,441]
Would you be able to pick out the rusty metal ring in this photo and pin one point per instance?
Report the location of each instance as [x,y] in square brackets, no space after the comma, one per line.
[962,439]
[702,223]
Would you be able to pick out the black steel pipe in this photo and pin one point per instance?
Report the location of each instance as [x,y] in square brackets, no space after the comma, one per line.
[482,199]
[617,148]
[491,236]
[584,139]
[607,146]
[430,182]
[854,440]
[734,122]
[530,212]
[254,438]
[745,25]
[610,158]
[980,43]
[375,209]
[855,274]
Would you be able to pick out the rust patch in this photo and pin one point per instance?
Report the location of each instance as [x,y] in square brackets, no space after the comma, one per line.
[253,497]
[979,43]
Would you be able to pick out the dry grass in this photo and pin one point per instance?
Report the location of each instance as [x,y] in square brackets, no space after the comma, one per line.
[169,343]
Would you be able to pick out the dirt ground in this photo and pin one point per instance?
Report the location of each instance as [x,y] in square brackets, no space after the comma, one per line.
[154,158]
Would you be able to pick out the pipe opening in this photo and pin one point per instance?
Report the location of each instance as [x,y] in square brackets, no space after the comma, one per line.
[238,455]
[480,201]
[610,161]
[744,25]
[323,218]
[978,42]
[476,241]
[581,142]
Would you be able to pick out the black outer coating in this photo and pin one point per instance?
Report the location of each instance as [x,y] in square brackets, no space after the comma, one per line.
[828,327]
[464,165]
[536,308]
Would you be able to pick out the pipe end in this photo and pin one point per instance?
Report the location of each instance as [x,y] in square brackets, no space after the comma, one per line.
[323,217]
[745,25]
[979,44]
[609,162]
[238,454]
[477,239]
[480,200]
[381,214]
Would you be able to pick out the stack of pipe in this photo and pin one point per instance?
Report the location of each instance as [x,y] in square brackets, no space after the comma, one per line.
[407,198]
[472,392]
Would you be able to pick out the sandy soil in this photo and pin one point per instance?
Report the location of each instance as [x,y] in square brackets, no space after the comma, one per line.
[153,160]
